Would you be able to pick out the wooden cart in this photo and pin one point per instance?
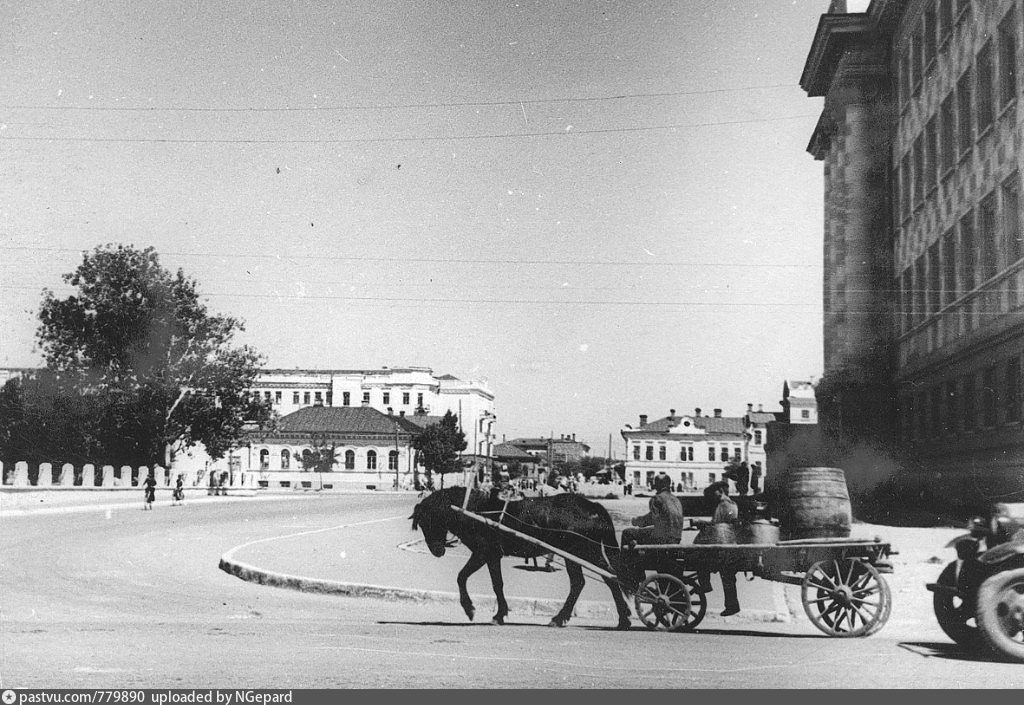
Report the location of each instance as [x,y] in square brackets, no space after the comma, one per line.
[842,588]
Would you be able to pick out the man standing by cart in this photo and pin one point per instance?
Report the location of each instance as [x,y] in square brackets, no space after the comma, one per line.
[725,513]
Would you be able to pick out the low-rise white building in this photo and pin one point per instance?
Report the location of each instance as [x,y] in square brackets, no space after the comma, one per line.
[694,449]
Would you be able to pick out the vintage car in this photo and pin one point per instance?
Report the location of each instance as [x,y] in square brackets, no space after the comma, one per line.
[979,597]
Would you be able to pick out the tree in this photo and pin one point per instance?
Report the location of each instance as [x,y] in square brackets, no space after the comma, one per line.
[322,455]
[439,446]
[160,370]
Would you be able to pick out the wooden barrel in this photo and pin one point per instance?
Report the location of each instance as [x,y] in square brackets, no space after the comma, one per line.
[759,531]
[815,504]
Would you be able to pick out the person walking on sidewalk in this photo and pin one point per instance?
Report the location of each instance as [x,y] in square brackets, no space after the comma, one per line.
[150,489]
[179,491]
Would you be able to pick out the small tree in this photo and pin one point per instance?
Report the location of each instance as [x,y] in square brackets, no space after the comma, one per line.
[322,455]
[439,446]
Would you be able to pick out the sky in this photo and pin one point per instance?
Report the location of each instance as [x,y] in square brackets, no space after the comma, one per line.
[603,208]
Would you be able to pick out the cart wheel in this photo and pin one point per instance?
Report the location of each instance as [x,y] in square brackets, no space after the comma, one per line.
[951,613]
[846,597]
[666,603]
[1001,613]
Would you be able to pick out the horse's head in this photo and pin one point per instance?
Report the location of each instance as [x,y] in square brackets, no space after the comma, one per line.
[432,516]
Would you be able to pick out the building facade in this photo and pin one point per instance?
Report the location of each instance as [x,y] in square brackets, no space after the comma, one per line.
[694,450]
[920,136]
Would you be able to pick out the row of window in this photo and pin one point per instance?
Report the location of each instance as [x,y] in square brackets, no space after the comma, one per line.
[319,398]
[966,113]
[985,241]
[686,452]
[977,400]
[306,456]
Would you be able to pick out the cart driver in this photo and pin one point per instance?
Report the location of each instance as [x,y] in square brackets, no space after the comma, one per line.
[663,523]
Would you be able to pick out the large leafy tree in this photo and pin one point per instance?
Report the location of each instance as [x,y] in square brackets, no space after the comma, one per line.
[439,446]
[161,372]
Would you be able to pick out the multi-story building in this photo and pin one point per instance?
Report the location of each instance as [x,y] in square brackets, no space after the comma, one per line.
[552,451]
[694,450]
[920,136]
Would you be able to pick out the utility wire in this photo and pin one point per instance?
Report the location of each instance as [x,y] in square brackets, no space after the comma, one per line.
[427,138]
[398,106]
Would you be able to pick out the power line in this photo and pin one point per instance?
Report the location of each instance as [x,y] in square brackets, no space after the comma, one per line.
[442,260]
[427,138]
[398,106]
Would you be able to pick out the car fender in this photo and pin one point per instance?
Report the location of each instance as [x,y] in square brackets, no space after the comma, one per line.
[1004,551]
[958,539]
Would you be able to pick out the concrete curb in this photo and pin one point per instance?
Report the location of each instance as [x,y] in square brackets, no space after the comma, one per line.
[534,607]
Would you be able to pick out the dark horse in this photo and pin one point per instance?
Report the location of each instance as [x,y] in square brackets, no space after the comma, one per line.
[566,521]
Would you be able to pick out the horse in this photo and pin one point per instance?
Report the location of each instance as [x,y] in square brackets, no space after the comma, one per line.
[566,521]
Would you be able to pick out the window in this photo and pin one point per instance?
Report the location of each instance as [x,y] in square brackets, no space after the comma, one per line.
[983,64]
[305,397]
[366,397]
[307,459]
[371,460]
[1011,220]
[636,452]
[405,398]
[988,397]
[918,170]
[330,398]
[965,111]
[650,453]
[805,413]
[947,141]
[277,397]
[931,150]
[737,453]
[319,398]
[945,19]
[967,403]
[968,257]
[387,397]
[295,398]
[686,453]
[346,398]
[350,460]
[1011,391]
[987,235]
[419,400]
[929,35]
[711,452]
[286,459]
[948,268]
[393,460]
[711,478]
[758,437]
[1008,59]
[266,396]
[264,459]
[934,280]
[661,452]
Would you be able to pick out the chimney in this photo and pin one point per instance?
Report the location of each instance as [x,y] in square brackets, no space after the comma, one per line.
[574,438]
[760,407]
[390,411]
[401,412]
[718,413]
[643,419]
[696,412]
[671,412]
[750,407]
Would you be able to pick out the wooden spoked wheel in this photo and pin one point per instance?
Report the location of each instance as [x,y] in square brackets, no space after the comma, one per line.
[666,603]
[846,597]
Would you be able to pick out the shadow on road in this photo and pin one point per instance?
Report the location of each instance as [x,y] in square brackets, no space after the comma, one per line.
[943,650]
[716,632]
[463,624]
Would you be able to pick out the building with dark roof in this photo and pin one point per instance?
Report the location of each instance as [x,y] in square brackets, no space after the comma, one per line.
[923,245]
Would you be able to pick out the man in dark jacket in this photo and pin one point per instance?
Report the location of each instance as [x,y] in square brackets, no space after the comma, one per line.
[663,523]
[726,512]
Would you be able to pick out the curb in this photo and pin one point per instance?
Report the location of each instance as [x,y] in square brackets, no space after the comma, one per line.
[534,607]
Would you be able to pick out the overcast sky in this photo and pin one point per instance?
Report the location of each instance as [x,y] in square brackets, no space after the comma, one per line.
[604,208]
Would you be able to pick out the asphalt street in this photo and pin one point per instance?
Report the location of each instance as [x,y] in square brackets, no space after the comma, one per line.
[114,596]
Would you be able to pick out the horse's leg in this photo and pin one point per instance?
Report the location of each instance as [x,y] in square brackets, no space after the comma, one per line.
[576,583]
[494,566]
[620,603]
[475,563]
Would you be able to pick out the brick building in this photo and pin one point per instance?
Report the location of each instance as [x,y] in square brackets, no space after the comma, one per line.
[924,278]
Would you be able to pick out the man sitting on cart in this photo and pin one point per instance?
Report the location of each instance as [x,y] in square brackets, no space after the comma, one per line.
[663,523]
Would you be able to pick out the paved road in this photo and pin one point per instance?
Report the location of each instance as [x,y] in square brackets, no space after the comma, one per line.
[122,597]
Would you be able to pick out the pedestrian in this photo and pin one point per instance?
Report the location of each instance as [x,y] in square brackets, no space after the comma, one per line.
[150,490]
[179,490]
[726,512]
[213,483]
[755,478]
[742,479]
